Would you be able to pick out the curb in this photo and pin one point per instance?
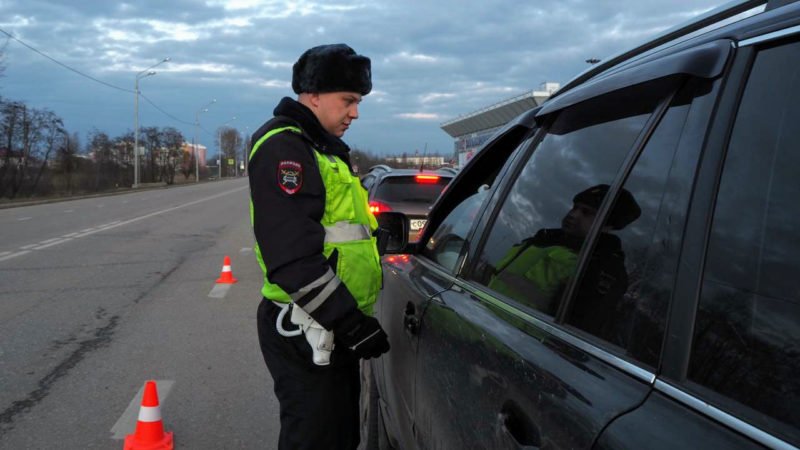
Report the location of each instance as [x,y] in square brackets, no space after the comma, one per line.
[15,204]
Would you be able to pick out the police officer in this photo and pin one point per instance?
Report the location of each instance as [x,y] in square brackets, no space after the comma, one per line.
[315,246]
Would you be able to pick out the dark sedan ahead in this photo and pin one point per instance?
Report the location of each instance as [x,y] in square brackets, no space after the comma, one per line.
[409,191]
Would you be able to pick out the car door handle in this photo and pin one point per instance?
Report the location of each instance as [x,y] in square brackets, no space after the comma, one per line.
[410,319]
[520,432]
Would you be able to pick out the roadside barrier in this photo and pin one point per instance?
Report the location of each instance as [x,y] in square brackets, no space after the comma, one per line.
[149,433]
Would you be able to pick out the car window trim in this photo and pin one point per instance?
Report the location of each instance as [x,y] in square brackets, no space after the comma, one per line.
[768,37]
[706,409]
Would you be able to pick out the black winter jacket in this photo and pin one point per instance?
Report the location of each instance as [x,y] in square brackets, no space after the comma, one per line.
[287,222]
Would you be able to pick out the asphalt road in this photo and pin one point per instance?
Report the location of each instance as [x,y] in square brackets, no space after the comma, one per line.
[99,295]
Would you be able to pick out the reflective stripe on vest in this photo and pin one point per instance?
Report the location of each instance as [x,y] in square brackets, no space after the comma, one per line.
[325,278]
[268,135]
[345,232]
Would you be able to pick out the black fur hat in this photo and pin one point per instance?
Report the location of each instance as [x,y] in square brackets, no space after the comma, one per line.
[625,210]
[331,68]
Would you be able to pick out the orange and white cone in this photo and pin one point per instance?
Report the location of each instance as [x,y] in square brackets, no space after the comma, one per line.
[149,433]
[226,276]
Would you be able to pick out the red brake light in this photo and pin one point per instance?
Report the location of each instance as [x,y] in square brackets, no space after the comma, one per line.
[378,207]
[426,178]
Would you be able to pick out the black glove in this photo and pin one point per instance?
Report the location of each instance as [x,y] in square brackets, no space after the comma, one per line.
[363,335]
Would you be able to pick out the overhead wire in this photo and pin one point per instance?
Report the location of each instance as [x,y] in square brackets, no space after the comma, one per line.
[164,112]
[30,47]
[64,65]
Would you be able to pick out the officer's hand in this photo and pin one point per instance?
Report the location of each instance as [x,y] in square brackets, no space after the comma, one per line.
[363,335]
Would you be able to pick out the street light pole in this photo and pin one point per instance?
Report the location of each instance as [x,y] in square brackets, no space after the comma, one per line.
[194,145]
[246,151]
[219,141]
[145,73]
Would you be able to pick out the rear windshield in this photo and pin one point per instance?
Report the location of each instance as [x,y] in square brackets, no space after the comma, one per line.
[407,189]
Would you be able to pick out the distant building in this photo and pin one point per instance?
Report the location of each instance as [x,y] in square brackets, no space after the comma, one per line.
[416,161]
[200,154]
[473,129]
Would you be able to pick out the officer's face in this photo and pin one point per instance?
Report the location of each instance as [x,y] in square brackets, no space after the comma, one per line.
[579,220]
[336,110]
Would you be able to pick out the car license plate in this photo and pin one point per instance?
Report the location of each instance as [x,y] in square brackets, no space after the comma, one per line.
[416,224]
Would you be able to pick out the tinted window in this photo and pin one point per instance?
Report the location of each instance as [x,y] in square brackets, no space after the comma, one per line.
[409,189]
[448,243]
[747,335]
[532,248]
[624,292]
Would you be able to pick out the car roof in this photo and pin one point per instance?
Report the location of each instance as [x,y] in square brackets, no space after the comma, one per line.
[383,171]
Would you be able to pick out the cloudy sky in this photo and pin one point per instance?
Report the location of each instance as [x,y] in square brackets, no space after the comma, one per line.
[432,60]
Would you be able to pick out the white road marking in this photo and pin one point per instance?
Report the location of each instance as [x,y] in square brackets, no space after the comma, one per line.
[245,250]
[4,253]
[21,219]
[116,223]
[14,255]
[219,290]
[127,421]
[60,241]
[69,235]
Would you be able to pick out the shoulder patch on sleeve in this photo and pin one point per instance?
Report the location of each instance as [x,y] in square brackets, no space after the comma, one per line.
[290,176]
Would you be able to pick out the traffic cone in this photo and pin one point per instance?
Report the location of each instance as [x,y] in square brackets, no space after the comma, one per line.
[149,433]
[226,276]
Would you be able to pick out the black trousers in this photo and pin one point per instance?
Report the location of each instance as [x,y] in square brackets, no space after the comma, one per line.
[319,405]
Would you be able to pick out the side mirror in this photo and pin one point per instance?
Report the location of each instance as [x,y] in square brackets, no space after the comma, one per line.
[397,225]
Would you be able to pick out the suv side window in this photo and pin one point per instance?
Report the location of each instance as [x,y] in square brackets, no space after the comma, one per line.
[624,291]
[532,249]
[448,244]
[746,346]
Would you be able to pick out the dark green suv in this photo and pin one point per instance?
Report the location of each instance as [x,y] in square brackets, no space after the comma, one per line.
[617,268]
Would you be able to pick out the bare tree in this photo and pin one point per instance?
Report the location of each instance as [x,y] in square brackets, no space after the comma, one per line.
[9,120]
[124,158]
[101,151]
[187,167]
[68,162]
[230,142]
[172,153]
[49,129]
[152,140]
[3,55]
